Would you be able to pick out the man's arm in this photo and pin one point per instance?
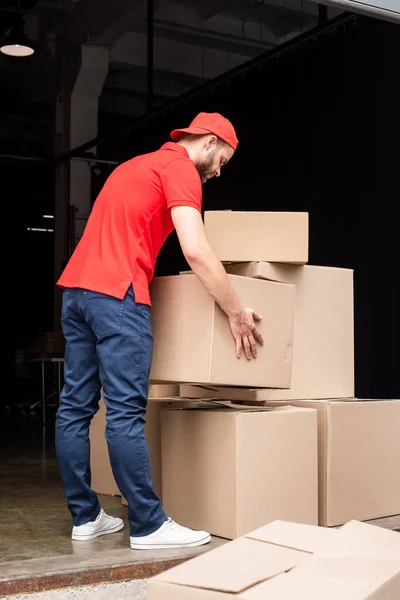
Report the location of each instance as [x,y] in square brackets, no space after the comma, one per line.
[206,265]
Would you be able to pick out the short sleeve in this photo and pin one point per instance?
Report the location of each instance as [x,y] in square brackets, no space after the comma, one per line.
[181,184]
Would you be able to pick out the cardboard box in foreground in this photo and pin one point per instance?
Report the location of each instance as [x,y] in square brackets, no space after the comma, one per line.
[230,470]
[261,236]
[193,341]
[290,561]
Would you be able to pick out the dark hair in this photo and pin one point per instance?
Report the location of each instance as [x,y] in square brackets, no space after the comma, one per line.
[192,137]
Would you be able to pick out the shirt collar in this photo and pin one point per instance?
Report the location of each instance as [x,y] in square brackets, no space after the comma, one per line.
[176,148]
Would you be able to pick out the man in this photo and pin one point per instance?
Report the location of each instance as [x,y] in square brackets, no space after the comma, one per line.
[107,327]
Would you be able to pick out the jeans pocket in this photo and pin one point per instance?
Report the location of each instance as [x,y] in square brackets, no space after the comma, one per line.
[104,314]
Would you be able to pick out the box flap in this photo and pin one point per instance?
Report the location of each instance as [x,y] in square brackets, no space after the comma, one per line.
[371,573]
[363,539]
[333,578]
[298,536]
[291,586]
[233,567]
[215,404]
[295,586]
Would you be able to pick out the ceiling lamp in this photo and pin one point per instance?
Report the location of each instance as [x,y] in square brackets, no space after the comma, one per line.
[16,43]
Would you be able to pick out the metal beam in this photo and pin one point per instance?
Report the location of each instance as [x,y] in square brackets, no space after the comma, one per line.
[224,42]
[240,71]
[177,57]
[89,23]
[386,10]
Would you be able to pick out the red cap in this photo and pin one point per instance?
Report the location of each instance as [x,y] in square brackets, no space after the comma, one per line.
[206,123]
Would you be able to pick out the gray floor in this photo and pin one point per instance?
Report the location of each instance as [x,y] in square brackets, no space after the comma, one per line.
[127,590]
[35,525]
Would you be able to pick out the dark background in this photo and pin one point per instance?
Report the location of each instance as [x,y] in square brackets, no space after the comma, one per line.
[319,131]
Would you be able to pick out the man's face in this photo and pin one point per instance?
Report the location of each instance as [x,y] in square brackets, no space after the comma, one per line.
[212,159]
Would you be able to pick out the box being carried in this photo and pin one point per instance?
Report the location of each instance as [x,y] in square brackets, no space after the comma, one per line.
[193,341]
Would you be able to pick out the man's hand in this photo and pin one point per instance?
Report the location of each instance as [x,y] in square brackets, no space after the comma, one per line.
[245,332]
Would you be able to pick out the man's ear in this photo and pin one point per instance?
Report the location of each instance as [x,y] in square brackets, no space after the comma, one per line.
[211,142]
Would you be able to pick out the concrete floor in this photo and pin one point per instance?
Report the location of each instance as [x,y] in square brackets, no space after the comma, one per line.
[35,531]
[35,524]
[126,590]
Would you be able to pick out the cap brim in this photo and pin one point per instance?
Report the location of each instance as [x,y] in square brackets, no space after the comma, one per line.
[176,134]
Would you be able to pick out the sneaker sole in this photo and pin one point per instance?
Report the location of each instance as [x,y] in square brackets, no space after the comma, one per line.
[205,540]
[92,536]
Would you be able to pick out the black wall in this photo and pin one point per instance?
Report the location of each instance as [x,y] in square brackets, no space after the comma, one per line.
[319,131]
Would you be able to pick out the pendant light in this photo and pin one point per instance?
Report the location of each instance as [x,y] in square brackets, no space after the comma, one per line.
[16,43]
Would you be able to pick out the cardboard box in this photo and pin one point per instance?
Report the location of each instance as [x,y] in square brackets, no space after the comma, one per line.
[230,569]
[333,578]
[260,236]
[361,561]
[193,341]
[358,459]
[103,481]
[362,539]
[157,391]
[153,435]
[230,470]
[323,338]
[287,561]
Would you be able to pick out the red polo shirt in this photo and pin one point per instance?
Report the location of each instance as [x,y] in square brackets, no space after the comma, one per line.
[130,221]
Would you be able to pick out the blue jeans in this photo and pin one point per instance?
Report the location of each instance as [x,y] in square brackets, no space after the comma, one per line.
[109,345]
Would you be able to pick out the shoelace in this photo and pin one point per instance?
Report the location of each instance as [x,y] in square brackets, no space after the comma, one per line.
[173,525]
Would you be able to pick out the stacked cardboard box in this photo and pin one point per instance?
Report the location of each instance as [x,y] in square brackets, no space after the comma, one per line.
[290,561]
[192,339]
[354,437]
[231,469]
[279,437]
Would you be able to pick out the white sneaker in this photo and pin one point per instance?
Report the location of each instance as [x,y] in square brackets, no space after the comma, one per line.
[171,535]
[101,526]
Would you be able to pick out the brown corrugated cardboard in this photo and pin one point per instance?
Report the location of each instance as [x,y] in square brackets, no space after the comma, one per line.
[358,459]
[284,561]
[193,342]
[333,578]
[229,569]
[362,539]
[231,470]
[298,536]
[241,564]
[103,481]
[323,339]
[163,391]
[267,236]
